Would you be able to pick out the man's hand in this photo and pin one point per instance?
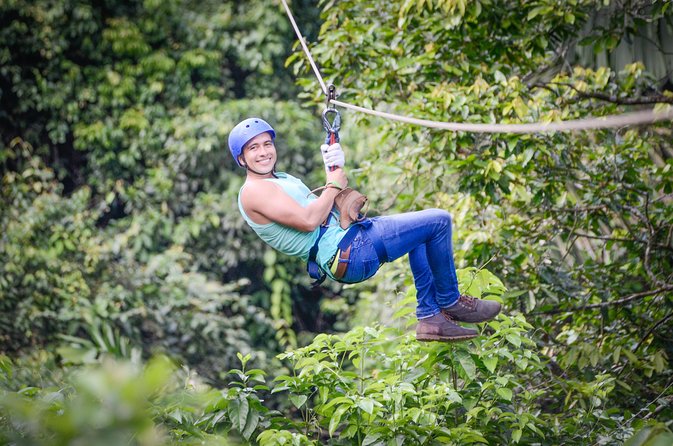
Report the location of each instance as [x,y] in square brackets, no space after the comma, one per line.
[332,155]
[339,177]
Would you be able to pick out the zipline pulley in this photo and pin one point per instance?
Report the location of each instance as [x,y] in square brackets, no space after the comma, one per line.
[331,95]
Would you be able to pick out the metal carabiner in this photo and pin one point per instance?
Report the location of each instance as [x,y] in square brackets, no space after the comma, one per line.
[335,125]
[332,128]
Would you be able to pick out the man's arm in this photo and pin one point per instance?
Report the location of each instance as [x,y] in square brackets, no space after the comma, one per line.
[266,202]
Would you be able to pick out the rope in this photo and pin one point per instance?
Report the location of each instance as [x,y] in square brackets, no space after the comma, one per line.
[633,118]
[303,45]
[625,119]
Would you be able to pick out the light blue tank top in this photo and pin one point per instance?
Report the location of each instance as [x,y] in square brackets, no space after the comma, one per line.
[291,241]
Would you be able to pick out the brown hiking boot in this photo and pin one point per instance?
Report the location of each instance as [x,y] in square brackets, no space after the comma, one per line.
[441,327]
[471,309]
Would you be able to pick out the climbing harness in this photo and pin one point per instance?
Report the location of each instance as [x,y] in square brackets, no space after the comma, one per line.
[348,202]
[626,119]
[314,270]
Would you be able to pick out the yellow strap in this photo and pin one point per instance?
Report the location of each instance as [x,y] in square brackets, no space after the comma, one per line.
[335,262]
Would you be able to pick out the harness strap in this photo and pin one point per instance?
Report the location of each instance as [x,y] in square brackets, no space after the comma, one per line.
[312,266]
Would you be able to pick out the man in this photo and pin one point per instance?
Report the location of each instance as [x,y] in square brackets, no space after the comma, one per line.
[287,216]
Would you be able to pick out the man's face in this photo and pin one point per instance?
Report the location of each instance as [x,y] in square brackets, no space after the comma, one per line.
[259,154]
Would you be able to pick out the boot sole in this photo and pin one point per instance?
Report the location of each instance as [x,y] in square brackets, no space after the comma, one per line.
[474,321]
[435,338]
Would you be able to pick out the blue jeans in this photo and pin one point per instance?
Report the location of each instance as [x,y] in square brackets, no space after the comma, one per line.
[426,237]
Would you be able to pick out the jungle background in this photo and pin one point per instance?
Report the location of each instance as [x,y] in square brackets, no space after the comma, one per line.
[137,308]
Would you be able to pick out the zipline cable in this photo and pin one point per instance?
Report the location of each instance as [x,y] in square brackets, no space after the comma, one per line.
[633,118]
[303,45]
[625,119]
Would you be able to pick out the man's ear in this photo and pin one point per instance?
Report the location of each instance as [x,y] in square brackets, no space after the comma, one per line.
[241,161]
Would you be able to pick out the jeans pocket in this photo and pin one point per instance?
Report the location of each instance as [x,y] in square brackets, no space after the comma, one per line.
[370,268]
[354,272]
[363,262]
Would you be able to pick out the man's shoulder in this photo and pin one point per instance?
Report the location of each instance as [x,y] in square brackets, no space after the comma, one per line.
[280,178]
[284,176]
[269,188]
[256,185]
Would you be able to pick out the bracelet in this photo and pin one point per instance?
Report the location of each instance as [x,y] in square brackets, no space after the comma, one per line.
[334,184]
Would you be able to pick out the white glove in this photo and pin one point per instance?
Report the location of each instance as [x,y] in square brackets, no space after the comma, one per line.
[333,155]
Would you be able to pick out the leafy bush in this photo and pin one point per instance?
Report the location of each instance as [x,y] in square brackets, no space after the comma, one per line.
[60,276]
[377,385]
[109,405]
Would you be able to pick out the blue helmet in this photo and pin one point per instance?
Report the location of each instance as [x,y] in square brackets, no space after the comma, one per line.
[244,132]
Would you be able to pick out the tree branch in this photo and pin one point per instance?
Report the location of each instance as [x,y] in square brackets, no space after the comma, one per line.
[598,207]
[651,330]
[605,237]
[620,301]
[642,100]
[620,239]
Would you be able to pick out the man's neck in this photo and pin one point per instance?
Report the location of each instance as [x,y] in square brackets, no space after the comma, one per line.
[253,176]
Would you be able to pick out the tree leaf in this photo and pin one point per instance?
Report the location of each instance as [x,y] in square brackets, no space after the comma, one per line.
[491,362]
[505,393]
[298,400]
[467,363]
[514,339]
[370,438]
[335,419]
[516,435]
[243,414]
[251,424]
[366,404]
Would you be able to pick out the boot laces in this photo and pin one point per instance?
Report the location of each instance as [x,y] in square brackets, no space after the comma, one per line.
[447,316]
[468,301]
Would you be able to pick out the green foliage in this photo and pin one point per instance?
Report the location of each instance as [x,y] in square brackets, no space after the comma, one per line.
[281,301]
[657,435]
[372,386]
[44,263]
[61,277]
[102,340]
[112,401]
[377,385]
[111,404]
[239,408]
[120,235]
